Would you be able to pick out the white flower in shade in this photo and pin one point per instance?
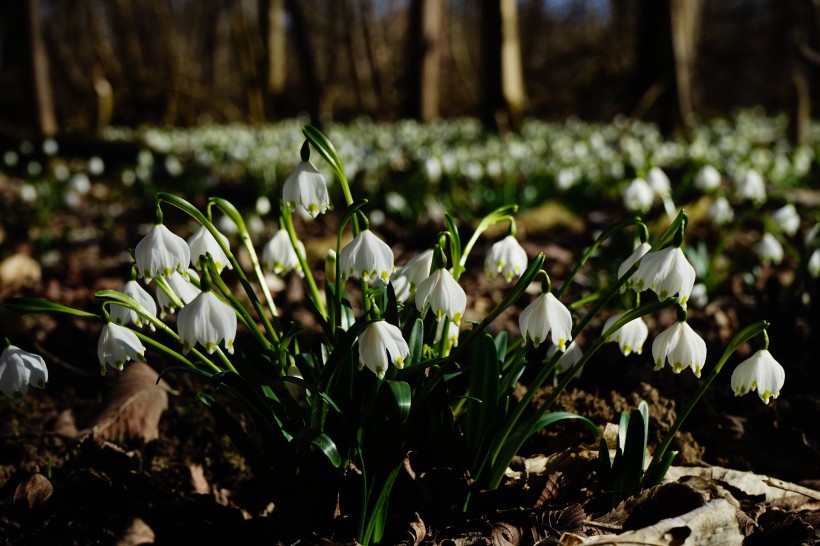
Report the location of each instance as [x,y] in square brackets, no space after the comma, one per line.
[699,296]
[658,181]
[568,359]
[201,243]
[182,288]
[306,187]
[769,249]
[633,258]
[296,391]
[208,321]
[453,331]
[279,256]
[330,266]
[507,257]
[544,315]
[749,186]
[630,337]
[410,275]
[814,264]
[367,257]
[18,370]
[681,346]
[666,272]
[721,212]
[118,345]
[444,295]
[379,344]
[787,219]
[760,372]
[123,315]
[638,196]
[161,252]
[707,179]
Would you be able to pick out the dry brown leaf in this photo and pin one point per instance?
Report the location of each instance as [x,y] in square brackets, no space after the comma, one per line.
[198,480]
[33,492]
[506,534]
[137,533]
[134,407]
[18,271]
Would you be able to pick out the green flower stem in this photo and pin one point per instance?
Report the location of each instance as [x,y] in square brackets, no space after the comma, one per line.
[739,339]
[162,284]
[500,214]
[287,220]
[161,347]
[226,361]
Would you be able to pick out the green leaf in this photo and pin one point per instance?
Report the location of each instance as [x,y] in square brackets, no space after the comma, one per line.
[377,518]
[37,305]
[484,385]
[416,344]
[322,442]
[634,451]
[325,148]
[402,395]
[656,473]
[556,416]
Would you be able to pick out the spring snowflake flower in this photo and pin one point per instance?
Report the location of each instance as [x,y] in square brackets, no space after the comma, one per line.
[760,372]
[707,179]
[749,186]
[201,243]
[207,320]
[666,272]
[544,315]
[411,274]
[20,369]
[379,344]
[306,187]
[444,295]
[453,331]
[658,181]
[279,256]
[507,257]
[787,219]
[769,249]
[681,346]
[633,258]
[118,345]
[123,315]
[630,337]
[568,359]
[814,264]
[638,196]
[182,288]
[367,257]
[721,212]
[161,252]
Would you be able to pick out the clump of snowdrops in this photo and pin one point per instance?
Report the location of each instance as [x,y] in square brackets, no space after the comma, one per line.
[398,368]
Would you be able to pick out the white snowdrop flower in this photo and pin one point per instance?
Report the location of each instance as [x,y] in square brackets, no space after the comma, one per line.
[630,337]
[769,249]
[453,330]
[787,219]
[707,179]
[814,264]
[118,345]
[749,186]
[699,296]
[444,295]
[182,288]
[207,320]
[28,193]
[306,187]
[410,275]
[123,315]
[50,146]
[161,252]
[263,205]
[760,372]
[330,266]
[544,315]
[666,272]
[296,391]
[367,257]
[202,243]
[568,358]
[279,256]
[681,346]
[638,196]
[381,343]
[633,258]
[96,166]
[20,369]
[507,257]
[173,166]
[721,212]
[658,181]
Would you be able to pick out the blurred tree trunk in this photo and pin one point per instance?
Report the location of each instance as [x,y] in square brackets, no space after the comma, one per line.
[357,49]
[40,77]
[798,25]
[307,60]
[425,41]
[505,99]
[274,35]
[247,51]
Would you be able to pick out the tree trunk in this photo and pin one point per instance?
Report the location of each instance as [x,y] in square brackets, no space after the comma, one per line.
[40,77]
[425,40]
[503,83]
[307,60]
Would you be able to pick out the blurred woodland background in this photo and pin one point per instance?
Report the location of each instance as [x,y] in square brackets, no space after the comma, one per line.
[82,65]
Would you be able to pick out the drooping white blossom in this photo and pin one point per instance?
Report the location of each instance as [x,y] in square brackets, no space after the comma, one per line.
[201,243]
[381,343]
[760,372]
[306,187]
[123,315]
[630,337]
[814,264]
[544,315]
[182,288]
[787,219]
[769,249]
[707,179]
[506,257]
[279,256]
[721,212]
[658,181]
[207,320]
[20,369]
[633,258]
[443,294]
[118,345]
[161,252]
[638,196]
[666,272]
[749,186]
[681,346]
[367,257]
[568,358]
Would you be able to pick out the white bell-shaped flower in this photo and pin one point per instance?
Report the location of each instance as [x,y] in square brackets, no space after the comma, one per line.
[544,315]
[118,345]
[707,179]
[202,243]
[410,275]
[760,372]
[814,264]
[630,337]
[161,252]
[638,196]
[787,218]
[749,186]
[306,187]
[207,320]
[381,343]
[20,369]
[769,249]
[681,346]
[182,288]
[721,212]
[666,272]
[506,257]
[444,295]
[279,256]
[658,181]
[453,331]
[633,258]
[568,358]
[367,257]
[124,316]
